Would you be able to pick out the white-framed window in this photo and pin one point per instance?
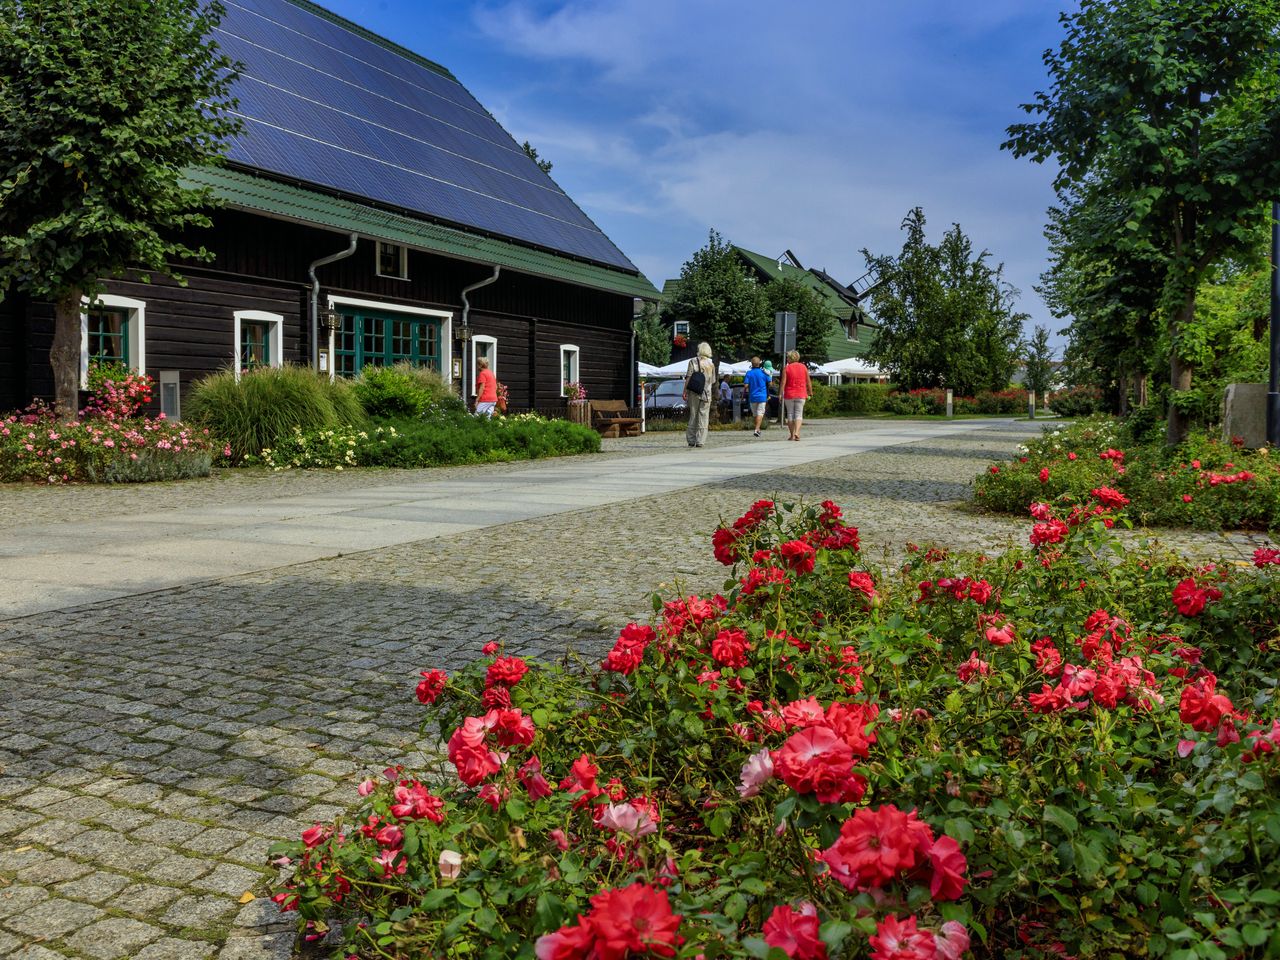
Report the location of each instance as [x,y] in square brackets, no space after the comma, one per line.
[568,365]
[258,338]
[486,348]
[392,260]
[113,330]
[680,328]
[851,331]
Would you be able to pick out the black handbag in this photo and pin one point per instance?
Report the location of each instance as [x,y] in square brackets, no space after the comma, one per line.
[697,380]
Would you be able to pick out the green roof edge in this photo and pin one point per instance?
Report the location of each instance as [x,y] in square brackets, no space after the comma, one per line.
[369,35]
[243,190]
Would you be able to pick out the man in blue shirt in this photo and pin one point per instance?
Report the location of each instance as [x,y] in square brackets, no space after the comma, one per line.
[756,383]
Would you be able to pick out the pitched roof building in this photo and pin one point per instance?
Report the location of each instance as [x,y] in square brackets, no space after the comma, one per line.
[371,192]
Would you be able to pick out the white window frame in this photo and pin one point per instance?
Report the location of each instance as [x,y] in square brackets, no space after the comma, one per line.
[676,330]
[493,359]
[446,325]
[137,331]
[404,260]
[571,348]
[277,336]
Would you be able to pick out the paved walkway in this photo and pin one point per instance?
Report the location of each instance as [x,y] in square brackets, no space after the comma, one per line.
[153,743]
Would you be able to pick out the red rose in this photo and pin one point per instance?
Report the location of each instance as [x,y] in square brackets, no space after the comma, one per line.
[431,685]
[795,932]
[949,865]
[1109,498]
[506,671]
[730,648]
[635,920]
[862,583]
[817,761]
[1202,707]
[724,544]
[896,939]
[876,845]
[1190,598]
[798,555]
[628,650]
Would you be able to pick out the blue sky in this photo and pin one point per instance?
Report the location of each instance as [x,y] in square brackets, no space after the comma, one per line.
[813,125]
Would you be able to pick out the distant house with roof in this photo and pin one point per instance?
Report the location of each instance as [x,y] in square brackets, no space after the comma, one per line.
[852,327]
[371,195]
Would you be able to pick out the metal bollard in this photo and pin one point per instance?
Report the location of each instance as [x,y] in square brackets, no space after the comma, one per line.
[950,406]
[1031,404]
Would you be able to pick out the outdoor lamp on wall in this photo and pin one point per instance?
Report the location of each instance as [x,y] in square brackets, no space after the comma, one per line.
[332,321]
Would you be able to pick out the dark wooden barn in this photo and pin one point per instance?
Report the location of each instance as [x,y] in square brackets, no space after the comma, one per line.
[372,204]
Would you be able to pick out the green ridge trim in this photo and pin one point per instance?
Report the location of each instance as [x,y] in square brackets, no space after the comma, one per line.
[244,191]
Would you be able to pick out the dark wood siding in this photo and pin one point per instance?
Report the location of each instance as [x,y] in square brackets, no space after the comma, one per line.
[261,264]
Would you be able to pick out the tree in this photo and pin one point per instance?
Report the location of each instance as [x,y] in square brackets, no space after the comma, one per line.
[722,304]
[653,337]
[1108,293]
[946,315]
[100,114]
[1039,362]
[1173,106]
[532,152]
[814,320]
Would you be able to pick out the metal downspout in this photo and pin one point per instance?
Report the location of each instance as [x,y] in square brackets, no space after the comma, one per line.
[315,297]
[466,313]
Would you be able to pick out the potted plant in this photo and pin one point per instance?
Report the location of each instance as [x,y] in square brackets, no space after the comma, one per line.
[576,395]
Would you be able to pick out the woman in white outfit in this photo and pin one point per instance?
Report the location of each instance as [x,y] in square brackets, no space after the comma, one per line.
[699,403]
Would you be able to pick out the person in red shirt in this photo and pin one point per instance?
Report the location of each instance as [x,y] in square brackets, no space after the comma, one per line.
[795,391]
[486,389]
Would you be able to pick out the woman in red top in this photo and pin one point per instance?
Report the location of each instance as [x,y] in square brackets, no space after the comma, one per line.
[486,389]
[794,390]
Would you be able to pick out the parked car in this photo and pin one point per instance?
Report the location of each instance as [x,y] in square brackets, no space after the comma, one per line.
[666,400]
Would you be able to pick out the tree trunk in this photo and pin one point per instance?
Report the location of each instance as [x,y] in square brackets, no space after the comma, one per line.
[64,356]
[1142,389]
[1179,423]
[1124,394]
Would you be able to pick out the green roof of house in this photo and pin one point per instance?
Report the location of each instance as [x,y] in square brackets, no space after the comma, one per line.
[245,191]
[771,268]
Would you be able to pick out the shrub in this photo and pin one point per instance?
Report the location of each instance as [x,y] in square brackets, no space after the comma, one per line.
[36,446]
[1203,483]
[443,440]
[266,404]
[822,401]
[1041,751]
[400,391]
[1077,402]
[116,392]
[862,399]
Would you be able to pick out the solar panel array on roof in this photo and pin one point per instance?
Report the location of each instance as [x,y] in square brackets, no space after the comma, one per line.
[324,104]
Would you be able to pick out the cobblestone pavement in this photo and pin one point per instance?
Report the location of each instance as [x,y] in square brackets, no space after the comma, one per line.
[153,747]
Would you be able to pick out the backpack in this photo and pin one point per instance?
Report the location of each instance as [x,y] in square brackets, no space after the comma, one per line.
[697,380]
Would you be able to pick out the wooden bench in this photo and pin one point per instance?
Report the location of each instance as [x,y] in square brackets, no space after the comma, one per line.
[611,418]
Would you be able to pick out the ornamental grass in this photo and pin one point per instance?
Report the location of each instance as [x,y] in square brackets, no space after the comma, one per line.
[1070,750]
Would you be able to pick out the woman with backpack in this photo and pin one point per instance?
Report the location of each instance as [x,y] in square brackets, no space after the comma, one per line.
[697,394]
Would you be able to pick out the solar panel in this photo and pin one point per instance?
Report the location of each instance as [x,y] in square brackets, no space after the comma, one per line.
[324,104]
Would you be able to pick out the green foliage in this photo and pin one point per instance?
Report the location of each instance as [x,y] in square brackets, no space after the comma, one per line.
[722,304]
[653,337]
[266,404]
[814,321]
[847,400]
[1164,122]
[137,98]
[946,315]
[1045,710]
[532,153]
[37,446]
[445,438]
[1038,357]
[1201,483]
[399,391]
[101,111]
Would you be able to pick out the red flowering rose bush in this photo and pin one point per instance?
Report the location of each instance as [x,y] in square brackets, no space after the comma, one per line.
[1202,483]
[1067,750]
